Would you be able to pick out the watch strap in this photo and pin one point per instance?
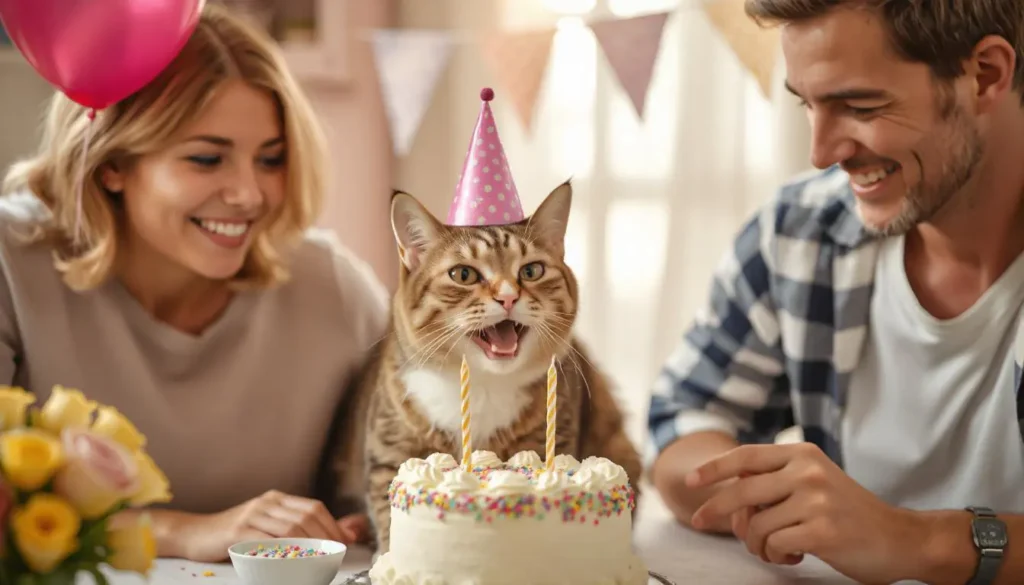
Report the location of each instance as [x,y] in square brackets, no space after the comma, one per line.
[981,511]
[989,560]
[988,568]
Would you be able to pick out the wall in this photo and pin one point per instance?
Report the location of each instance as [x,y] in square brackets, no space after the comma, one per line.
[23,94]
[361,161]
[430,170]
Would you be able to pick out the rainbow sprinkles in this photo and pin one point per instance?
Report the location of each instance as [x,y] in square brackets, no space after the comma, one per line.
[523,487]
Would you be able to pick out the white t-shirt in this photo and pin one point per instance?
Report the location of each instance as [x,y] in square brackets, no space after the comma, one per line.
[930,421]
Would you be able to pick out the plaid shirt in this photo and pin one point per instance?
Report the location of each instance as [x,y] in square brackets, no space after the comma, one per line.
[784,328]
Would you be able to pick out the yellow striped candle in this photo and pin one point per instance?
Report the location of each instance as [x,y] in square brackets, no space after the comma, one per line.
[552,414]
[466,451]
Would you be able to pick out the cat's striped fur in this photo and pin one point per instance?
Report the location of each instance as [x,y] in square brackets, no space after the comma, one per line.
[410,392]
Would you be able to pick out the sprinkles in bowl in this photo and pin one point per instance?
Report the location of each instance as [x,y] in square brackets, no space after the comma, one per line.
[284,552]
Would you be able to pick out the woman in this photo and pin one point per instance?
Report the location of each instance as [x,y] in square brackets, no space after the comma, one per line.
[199,304]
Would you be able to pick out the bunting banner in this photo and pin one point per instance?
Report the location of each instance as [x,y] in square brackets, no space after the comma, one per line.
[755,47]
[410,63]
[519,62]
[631,46]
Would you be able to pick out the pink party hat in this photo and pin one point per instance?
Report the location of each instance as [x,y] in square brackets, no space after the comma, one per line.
[486,193]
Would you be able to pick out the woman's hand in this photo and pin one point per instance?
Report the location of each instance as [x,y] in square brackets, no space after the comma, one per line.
[355,528]
[206,538]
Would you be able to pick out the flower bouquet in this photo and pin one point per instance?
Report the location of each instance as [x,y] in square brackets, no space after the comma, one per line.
[67,469]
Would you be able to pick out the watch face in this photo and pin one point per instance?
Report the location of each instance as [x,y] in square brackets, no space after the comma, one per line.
[989,533]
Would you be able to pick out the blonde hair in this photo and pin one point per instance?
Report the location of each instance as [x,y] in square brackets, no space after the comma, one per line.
[223,47]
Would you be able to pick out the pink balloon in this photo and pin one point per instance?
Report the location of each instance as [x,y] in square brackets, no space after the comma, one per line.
[99,52]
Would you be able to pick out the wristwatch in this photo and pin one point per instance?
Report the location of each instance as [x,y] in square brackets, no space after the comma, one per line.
[990,539]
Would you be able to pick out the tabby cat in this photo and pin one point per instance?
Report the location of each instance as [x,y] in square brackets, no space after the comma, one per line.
[503,297]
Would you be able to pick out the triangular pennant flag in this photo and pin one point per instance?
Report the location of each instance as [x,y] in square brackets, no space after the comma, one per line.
[409,65]
[519,61]
[631,47]
[754,46]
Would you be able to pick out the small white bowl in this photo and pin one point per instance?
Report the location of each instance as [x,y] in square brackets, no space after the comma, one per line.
[318,570]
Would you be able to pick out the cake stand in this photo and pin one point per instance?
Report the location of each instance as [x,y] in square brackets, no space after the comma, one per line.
[363,578]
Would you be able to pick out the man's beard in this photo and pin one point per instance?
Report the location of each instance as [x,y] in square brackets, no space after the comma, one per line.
[924,201]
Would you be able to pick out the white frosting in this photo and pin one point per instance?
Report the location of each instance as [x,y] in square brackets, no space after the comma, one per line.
[565,462]
[459,481]
[442,461]
[417,473]
[484,459]
[442,472]
[434,542]
[549,482]
[586,479]
[526,459]
[601,473]
[506,483]
[410,465]
[632,571]
[428,551]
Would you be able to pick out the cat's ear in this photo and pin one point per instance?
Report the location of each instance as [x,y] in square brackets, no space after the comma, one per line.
[414,226]
[550,220]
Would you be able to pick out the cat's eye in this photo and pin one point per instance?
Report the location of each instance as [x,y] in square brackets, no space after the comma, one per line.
[532,271]
[464,275]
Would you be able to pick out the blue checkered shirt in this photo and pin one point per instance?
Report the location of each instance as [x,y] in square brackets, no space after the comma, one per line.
[784,327]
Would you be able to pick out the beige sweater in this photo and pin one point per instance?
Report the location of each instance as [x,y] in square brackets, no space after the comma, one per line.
[240,409]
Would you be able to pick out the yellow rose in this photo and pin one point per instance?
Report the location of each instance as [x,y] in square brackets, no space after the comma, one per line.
[132,546]
[13,404]
[45,531]
[29,457]
[153,485]
[111,423]
[98,473]
[66,408]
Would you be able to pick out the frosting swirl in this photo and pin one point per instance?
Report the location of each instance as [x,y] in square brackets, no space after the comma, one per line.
[566,462]
[526,459]
[418,473]
[459,481]
[609,472]
[409,466]
[484,459]
[586,478]
[442,461]
[549,482]
[505,483]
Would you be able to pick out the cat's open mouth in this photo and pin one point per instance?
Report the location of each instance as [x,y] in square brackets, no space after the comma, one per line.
[500,341]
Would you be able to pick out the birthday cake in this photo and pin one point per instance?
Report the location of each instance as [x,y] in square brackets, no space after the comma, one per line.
[515,522]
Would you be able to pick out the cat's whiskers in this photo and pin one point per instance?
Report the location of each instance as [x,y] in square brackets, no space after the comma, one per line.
[555,318]
[475,326]
[456,332]
[434,340]
[461,324]
[548,333]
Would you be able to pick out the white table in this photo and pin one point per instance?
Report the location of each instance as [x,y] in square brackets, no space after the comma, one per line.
[676,552]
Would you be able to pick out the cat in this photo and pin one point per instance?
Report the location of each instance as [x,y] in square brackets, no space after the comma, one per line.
[503,297]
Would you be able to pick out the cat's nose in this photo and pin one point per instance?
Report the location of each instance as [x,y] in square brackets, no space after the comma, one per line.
[507,300]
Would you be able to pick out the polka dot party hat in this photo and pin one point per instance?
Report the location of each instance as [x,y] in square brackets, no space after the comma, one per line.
[486,193]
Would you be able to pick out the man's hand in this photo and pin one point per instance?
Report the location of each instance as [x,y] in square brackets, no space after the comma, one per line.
[803,503]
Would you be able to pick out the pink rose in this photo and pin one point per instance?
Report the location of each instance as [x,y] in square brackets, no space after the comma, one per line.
[97,474]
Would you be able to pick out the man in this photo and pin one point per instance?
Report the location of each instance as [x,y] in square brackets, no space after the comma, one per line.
[876,305]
